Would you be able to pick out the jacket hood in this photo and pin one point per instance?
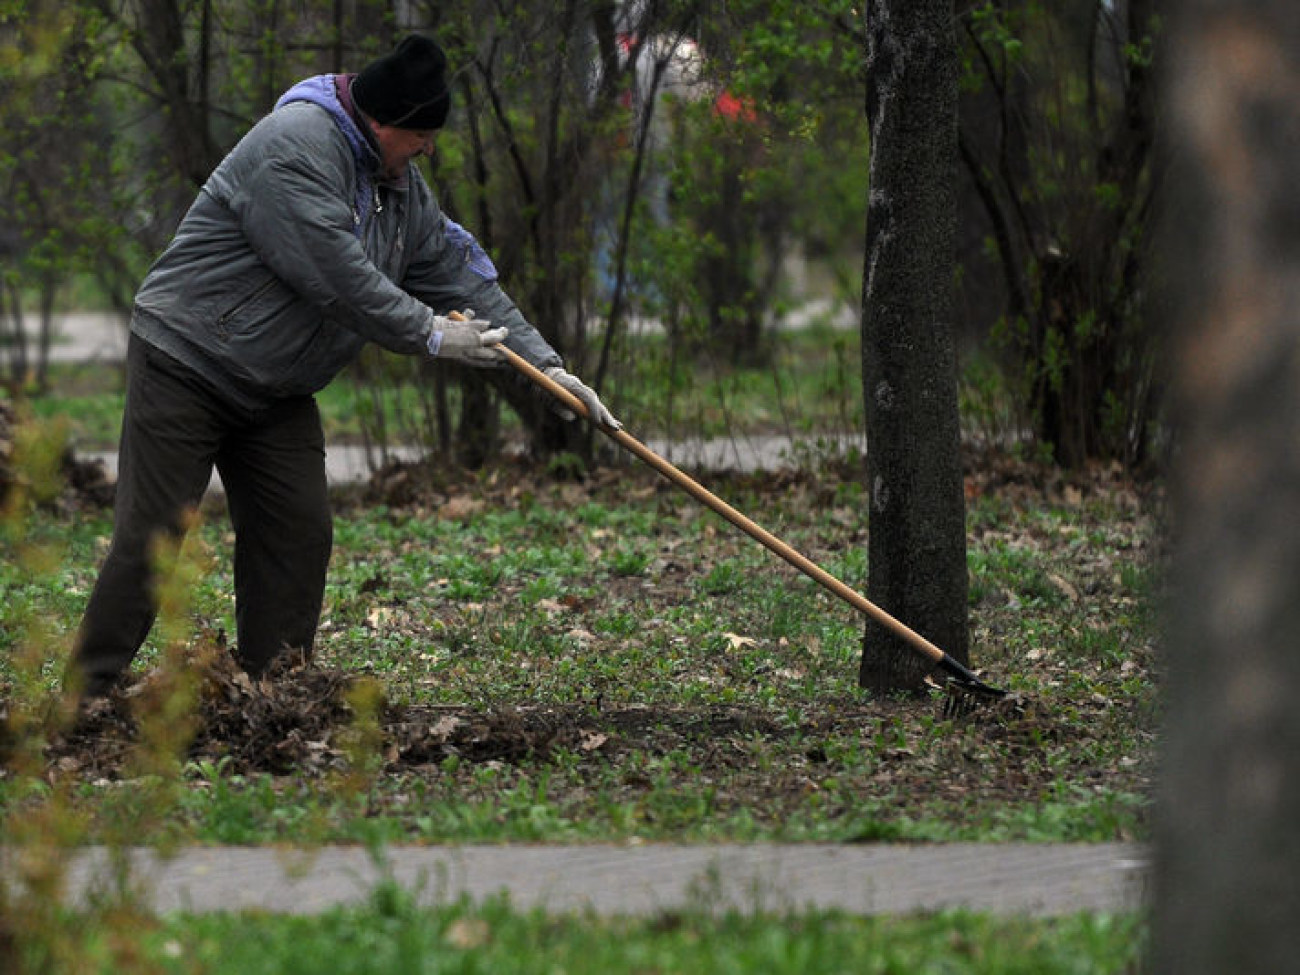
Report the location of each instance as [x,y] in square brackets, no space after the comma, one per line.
[323,90]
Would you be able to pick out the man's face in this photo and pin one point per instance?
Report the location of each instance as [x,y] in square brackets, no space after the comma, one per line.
[399,146]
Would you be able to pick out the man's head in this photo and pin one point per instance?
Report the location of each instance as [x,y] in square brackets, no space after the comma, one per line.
[406,98]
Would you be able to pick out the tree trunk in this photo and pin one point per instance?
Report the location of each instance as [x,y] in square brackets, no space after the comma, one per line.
[918,531]
[159,40]
[1227,879]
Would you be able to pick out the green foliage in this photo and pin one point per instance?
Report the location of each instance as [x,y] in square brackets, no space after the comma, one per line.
[740,175]
[392,933]
[1058,129]
[996,26]
[58,150]
[45,822]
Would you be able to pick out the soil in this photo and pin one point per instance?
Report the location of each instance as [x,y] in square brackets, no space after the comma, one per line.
[305,721]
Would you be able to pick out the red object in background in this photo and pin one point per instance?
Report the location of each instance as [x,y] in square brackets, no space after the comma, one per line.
[728,106]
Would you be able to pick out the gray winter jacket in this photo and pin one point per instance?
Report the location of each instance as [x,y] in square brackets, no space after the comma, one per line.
[296,253]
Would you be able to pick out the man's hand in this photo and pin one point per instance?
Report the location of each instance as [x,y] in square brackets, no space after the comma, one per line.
[466,340]
[595,408]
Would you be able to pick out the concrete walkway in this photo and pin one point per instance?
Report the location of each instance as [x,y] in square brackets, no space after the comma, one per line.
[86,337]
[1005,879]
[350,464]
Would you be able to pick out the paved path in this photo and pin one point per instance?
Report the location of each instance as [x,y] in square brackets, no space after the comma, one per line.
[1023,879]
[348,464]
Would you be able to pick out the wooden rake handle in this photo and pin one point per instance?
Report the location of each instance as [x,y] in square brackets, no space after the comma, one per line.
[751,528]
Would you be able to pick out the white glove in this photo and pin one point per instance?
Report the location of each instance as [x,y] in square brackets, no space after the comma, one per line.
[595,408]
[468,340]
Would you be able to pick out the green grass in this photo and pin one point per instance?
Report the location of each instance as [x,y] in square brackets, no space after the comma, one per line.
[623,595]
[94,418]
[393,934]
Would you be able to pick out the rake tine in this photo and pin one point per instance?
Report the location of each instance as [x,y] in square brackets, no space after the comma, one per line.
[963,691]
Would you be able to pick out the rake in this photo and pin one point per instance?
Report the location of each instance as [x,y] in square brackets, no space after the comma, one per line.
[964,688]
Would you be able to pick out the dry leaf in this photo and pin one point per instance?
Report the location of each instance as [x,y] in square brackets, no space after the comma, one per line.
[591,740]
[1064,587]
[444,726]
[468,932]
[460,507]
[737,641]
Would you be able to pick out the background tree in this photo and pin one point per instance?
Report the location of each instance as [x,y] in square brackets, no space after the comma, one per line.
[1227,849]
[1058,121]
[548,158]
[545,99]
[775,83]
[59,215]
[551,160]
[593,161]
[918,533]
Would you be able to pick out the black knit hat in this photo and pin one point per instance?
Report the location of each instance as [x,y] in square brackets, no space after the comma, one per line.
[407,88]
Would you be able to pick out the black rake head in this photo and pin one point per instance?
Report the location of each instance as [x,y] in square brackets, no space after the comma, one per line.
[963,691]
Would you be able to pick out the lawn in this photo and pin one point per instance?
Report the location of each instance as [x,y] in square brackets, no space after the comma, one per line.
[508,657]
[602,659]
[391,935]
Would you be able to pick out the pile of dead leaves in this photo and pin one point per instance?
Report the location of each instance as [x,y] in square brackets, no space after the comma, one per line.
[290,721]
[306,720]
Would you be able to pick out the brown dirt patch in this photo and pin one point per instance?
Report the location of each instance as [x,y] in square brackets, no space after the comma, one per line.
[306,721]
[302,719]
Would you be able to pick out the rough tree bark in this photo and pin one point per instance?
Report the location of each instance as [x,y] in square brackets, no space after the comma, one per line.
[917,543]
[1227,880]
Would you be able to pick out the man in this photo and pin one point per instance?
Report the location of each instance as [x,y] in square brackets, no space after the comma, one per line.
[315,235]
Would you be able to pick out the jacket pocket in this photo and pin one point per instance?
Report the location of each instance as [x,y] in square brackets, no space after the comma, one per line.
[250,311]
